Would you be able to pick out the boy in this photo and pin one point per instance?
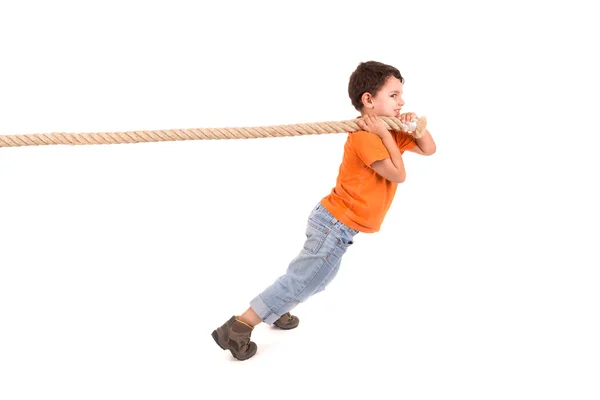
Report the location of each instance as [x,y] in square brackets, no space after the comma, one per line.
[371,169]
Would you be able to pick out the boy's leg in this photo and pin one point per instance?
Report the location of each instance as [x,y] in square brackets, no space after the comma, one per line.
[316,265]
[325,283]
[250,317]
[286,321]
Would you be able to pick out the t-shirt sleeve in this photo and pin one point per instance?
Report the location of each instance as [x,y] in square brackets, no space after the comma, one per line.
[369,147]
[404,140]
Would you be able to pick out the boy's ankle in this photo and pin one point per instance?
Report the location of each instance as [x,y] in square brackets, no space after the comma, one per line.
[250,318]
[247,323]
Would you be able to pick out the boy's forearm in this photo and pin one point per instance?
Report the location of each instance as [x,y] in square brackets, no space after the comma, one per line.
[426,143]
[395,155]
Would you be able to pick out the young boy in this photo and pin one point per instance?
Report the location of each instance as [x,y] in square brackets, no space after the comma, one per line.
[371,169]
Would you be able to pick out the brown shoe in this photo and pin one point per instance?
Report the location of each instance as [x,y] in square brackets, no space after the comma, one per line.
[287,321]
[234,335]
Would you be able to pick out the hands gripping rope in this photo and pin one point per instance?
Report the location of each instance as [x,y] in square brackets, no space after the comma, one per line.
[415,128]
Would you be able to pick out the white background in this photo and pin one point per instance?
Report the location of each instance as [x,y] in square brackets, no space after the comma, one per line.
[117,262]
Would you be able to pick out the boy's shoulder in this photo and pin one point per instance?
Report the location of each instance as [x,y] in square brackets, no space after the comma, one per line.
[362,135]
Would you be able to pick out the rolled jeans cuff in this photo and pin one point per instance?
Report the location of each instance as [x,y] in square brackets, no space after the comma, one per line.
[263,311]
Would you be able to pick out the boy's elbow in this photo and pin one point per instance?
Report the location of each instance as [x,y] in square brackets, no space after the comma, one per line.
[431,150]
[401,178]
[428,151]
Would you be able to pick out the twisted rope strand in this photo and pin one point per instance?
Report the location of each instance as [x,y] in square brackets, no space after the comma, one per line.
[317,128]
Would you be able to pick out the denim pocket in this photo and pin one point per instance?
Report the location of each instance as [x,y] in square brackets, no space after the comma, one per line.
[345,241]
[315,237]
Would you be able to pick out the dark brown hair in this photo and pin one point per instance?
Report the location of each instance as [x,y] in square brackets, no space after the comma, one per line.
[369,77]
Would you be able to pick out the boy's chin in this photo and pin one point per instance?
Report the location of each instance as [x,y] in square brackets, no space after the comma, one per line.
[391,115]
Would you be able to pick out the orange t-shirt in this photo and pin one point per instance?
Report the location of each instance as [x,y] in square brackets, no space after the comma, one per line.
[361,197]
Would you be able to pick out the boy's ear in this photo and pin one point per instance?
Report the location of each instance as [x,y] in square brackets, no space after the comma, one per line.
[367,100]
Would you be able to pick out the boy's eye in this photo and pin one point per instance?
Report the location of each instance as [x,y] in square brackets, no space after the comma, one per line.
[394,95]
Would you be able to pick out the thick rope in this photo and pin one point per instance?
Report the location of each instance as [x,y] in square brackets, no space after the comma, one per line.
[416,129]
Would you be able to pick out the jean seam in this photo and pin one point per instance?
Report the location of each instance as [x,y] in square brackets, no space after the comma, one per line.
[321,242]
[328,275]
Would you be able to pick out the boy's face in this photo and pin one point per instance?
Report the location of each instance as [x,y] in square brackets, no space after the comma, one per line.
[388,100]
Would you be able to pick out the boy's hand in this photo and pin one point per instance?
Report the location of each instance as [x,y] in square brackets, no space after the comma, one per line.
[374,125]
[408,117]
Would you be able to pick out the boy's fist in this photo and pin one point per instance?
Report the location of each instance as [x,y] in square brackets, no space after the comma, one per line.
[408,117]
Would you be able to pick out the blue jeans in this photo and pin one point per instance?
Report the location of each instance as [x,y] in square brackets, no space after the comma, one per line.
[327,239]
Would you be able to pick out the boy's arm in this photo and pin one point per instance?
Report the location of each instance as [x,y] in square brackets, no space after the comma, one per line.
[425,145]
[395,156]
[391,168]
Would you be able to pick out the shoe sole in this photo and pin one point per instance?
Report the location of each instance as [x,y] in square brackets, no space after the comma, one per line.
[286,328]
[215,336]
